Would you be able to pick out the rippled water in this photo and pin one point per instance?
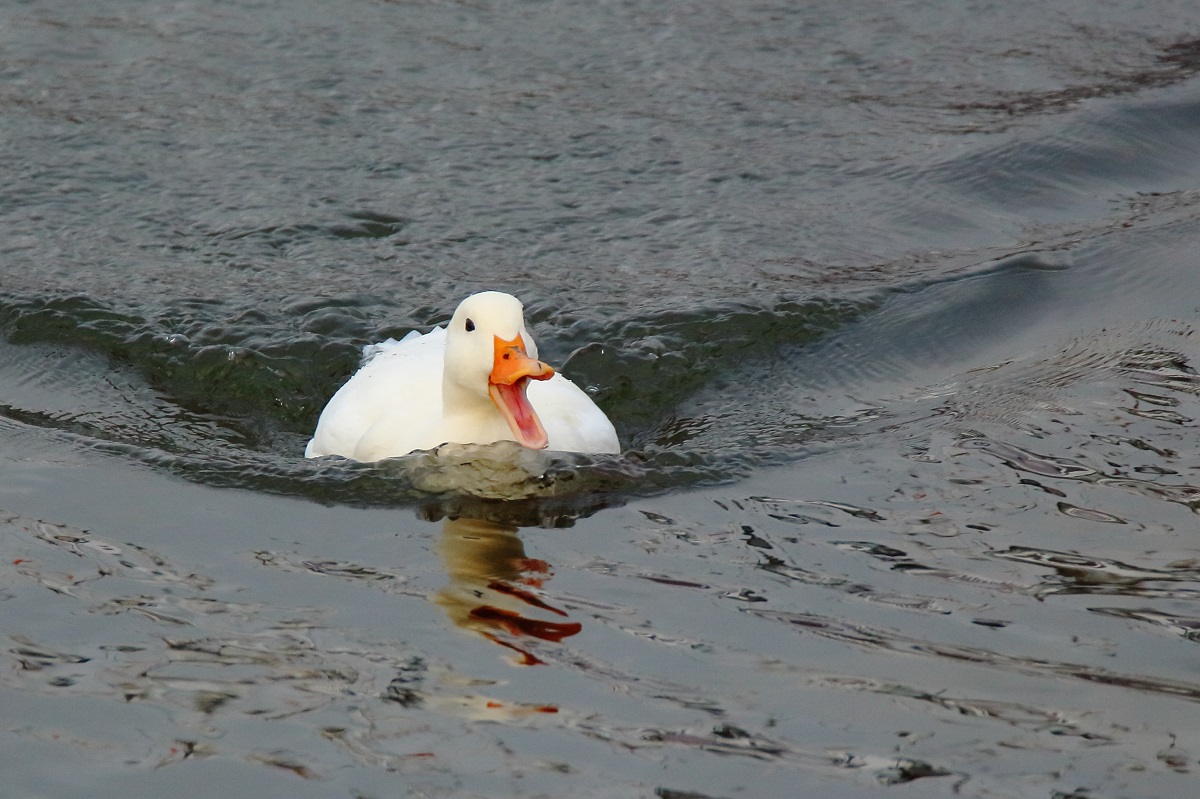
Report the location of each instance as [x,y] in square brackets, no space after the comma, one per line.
[892,306]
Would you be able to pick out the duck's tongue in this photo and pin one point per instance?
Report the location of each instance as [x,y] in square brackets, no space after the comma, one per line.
[511,372]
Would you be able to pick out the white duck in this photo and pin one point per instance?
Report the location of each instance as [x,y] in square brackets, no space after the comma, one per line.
[467,383]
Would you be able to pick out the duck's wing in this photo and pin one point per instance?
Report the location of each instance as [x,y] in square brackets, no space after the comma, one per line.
[397,377]
[390,345]
[572,421]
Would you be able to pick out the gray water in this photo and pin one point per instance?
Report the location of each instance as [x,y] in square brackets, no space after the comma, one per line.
[892,305]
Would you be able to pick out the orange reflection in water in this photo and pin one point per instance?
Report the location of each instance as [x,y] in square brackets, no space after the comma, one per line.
[494,589]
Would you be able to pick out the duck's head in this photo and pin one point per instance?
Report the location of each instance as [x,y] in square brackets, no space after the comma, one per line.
[490,355]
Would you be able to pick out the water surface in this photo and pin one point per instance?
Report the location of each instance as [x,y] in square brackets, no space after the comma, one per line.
[892,306]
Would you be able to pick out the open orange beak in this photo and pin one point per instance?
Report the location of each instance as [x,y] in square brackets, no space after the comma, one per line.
[511,372]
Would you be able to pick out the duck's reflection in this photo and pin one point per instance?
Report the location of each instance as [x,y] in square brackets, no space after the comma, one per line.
[494,588]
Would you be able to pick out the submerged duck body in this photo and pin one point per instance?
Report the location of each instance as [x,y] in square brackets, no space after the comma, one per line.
[475,381]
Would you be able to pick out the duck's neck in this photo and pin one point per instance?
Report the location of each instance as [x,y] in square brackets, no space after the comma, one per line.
[475,417]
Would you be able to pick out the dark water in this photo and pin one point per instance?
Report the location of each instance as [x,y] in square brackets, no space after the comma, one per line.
[892,305]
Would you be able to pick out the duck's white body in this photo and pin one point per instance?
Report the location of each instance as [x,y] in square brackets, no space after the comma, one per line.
[475,381]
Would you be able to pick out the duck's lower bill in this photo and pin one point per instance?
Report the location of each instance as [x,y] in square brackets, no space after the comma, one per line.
[521,417]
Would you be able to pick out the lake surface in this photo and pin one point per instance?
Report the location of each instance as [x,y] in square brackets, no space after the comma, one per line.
[893,306]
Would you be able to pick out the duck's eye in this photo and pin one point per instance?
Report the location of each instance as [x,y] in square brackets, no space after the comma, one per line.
[470,326]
